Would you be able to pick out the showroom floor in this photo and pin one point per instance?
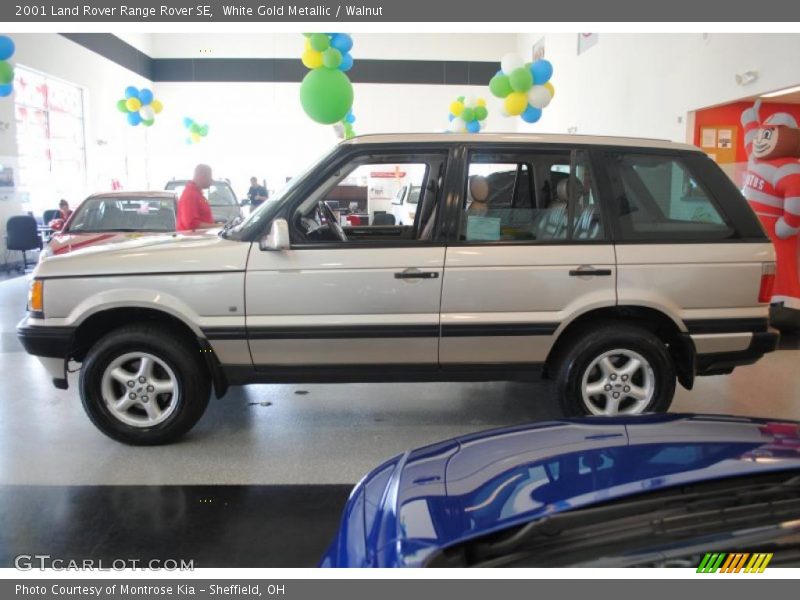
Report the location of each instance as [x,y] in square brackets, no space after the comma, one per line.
[263,456]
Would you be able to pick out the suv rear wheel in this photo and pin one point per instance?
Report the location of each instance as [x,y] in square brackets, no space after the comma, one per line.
[615,369]
[142,385]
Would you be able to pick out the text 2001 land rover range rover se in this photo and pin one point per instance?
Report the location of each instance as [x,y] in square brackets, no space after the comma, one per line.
[618,265]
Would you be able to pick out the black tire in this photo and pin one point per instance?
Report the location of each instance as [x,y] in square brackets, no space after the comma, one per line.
[581,350]
[192,379]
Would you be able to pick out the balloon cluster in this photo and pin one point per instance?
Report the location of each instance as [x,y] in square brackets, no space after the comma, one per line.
[524,87]
[326,93]
[344,128]
[139,106]
[468,115]
[196,131]
[7,49]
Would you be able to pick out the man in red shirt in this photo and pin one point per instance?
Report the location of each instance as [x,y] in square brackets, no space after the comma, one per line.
[193,209]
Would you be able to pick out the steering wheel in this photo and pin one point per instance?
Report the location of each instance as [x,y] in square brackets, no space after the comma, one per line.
[332,221]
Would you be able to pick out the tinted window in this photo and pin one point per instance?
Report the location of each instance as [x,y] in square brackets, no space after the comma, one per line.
[658,197]
[124,214]
[537,197]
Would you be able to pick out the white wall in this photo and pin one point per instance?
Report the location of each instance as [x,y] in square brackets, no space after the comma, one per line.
[113,148]
[260,128]
[642,84]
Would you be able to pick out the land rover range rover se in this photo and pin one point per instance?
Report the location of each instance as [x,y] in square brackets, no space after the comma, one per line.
[614,266]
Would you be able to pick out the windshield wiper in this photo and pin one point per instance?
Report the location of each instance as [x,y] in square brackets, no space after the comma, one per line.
[671,515]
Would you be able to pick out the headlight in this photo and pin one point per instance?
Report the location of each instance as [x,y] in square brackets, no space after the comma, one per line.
[36,296]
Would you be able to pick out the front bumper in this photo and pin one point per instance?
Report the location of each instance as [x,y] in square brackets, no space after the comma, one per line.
[721,363]
[51,345]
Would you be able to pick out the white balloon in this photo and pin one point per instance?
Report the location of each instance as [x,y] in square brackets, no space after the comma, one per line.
[482,123]
[510,62]
[338,129]
[147,113]
[458,125]
[469,101]
[503,111]
[539,96]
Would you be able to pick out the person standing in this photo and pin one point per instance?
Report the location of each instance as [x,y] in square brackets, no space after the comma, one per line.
[63,206]
[257,193]
[193,209]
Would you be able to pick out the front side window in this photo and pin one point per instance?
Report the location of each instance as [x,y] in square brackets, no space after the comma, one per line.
[373,199]
[659,198]
[542,197]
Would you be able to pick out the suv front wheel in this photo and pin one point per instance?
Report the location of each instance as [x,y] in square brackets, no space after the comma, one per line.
[144,385]
[615,369]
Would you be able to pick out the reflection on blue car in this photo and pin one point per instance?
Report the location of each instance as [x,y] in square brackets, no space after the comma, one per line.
[645,490]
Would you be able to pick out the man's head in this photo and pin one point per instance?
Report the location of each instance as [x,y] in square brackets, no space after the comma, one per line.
[63,205]
[253,181]
[202,176]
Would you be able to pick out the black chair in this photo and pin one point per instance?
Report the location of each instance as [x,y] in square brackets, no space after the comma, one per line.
[381,217]
[49,215]
[22,234]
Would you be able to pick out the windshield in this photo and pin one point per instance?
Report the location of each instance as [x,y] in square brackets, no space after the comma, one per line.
[267,210]
[413,195]
[219,193]
[123,214]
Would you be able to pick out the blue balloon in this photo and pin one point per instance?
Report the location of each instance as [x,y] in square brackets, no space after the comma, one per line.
[131,92]
[6,89]
[187,122]
[451,116]
[342,42]
[347,62]
[531,114]
[6,47]
[134,118]
[145,96]
[542,71]
[473,127]
[350,118]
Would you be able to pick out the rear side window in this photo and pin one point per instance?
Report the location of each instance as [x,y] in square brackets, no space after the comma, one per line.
[659,198]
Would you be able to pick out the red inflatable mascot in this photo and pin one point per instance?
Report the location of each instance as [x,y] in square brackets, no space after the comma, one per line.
[772,186]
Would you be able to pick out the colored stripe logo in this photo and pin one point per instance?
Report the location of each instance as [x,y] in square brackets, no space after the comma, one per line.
[736,562]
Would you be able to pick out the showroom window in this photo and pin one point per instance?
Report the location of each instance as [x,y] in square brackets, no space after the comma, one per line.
[382,199]
[50,139]
[658,198]
[530,198]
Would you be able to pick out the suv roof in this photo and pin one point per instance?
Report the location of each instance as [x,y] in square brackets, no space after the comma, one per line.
[524,138]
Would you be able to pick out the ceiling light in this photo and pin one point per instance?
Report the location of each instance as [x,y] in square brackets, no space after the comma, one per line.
[783,92]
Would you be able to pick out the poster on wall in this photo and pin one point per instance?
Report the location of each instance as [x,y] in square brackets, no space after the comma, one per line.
[725,138]
[586,41]
[538,50]
[708,137]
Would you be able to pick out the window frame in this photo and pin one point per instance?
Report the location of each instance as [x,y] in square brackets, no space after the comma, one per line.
[405,153]
[521,151]
[736,214]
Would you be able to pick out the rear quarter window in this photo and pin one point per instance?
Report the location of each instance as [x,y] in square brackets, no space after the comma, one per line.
[675,198]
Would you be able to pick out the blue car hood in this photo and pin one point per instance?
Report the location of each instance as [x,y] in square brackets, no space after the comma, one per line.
[473,485]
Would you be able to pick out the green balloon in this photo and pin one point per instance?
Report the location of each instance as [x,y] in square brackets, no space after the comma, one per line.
[326,95]
[121,106]
[6,72]
[481,113]
[468,114]
[332,58]
[500,86]
[194,128]
[320,42]
[203,131]
[520,79]
[148,122]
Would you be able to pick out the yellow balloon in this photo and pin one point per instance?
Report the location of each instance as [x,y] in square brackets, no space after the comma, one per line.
[550,89]
[456,108]
[157,106]
[480,102]
[133,104]
[312,59]
[195,137]
[307,45]
[516,103]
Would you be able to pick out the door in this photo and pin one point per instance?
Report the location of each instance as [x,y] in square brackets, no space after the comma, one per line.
[531,254]
[356,288]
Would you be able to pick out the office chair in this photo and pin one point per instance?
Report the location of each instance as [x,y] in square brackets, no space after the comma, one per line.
[49,215]
[23,235]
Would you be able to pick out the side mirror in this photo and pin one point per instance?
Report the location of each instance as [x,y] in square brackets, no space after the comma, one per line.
[278,238]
